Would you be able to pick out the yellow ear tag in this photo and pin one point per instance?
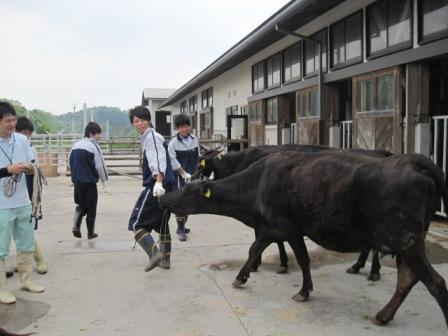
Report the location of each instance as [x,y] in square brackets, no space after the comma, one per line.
[208,193]
[202,163]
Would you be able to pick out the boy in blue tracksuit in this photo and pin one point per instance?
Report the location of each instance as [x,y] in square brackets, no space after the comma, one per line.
[184,155]
[87,166]
[158,178]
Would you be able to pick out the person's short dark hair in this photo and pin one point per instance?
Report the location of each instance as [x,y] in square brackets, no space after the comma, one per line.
[181,120]
[24,124]
[92,128]
[6,109]
[141,112]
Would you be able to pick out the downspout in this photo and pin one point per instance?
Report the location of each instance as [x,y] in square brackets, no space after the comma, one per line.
[320,80]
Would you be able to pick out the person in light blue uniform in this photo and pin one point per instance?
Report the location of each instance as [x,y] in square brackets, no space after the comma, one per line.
[184,155]
[158,178]
[87,166]
[15,205]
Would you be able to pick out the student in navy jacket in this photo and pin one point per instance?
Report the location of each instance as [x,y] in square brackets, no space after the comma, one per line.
[87,166]
[184,155]
[158,178]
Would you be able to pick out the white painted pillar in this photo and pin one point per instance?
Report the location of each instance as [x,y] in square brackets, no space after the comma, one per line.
[423,138]
[335,136]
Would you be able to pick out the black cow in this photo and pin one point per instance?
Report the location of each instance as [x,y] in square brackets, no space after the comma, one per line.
[212,161]
[342,201]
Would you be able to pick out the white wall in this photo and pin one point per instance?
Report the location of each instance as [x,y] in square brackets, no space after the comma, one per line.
[235,86]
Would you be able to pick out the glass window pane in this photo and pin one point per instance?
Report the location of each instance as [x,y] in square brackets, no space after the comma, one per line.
[287,65]
[303,105]
[353,37]
[274,110]
[309,57]
[314,104]
[338,43]
[210,97]
[364,95]
[399,22]
[276,70]
[260,77]
[258,112]
[435,16]
[377,19]
[295,62]
[386,92]
[269,72]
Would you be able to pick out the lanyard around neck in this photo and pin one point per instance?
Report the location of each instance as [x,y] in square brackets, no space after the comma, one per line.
[12,151]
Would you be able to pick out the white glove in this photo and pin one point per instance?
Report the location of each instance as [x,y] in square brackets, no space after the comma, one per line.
[158,190]
[186,177]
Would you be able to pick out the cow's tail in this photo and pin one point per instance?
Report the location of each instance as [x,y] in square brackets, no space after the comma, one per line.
[423,164]
[3,332]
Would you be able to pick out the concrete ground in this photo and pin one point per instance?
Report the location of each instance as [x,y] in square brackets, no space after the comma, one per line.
[99,287]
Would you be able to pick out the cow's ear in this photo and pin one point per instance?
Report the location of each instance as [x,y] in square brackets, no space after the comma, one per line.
[206,190]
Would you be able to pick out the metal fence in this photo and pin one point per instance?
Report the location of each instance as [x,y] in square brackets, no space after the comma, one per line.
[439,149]
[346,134]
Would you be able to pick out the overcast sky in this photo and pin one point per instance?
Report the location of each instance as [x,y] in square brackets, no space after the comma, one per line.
[55,53]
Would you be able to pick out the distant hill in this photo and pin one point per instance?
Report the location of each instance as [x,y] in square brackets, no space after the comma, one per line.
[45,122]
[119,124]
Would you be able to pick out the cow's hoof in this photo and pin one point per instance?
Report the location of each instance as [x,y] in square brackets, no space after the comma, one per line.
[254,268]
[374,277]
[301,297]
[282,270]
[238,283]
[352,270]
[378,320]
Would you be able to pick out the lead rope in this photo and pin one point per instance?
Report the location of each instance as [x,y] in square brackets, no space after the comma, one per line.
[10,187]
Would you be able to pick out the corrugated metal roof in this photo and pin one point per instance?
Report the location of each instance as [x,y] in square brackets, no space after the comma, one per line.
[292,16]
[157,93]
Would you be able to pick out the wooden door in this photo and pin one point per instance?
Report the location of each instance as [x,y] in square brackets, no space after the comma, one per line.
[377,122]
[256,123]
[307,120]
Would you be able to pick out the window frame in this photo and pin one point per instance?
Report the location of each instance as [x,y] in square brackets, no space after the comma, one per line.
[208,95]
[193,104]
[315,72]
[433,36]
[267,112]
[297,78]
[257,66]
[330,51]
[271,59]
[183,107]
[388,49]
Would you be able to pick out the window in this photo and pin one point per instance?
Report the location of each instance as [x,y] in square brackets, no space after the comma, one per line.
[433,19]
[232,110]
[311,52]
[271,110]
[255,113]
[207,98]
[376,93]
[307,103]
[273,71]
[292,63]
[193,104]
[183,107]
[346,41]
[389,26]
[258,77]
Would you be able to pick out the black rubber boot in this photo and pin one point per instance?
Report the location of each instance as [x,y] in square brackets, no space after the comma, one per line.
[181,228]
[165,250]
[91,229]
[9,274]
[77,223]
[144,239]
